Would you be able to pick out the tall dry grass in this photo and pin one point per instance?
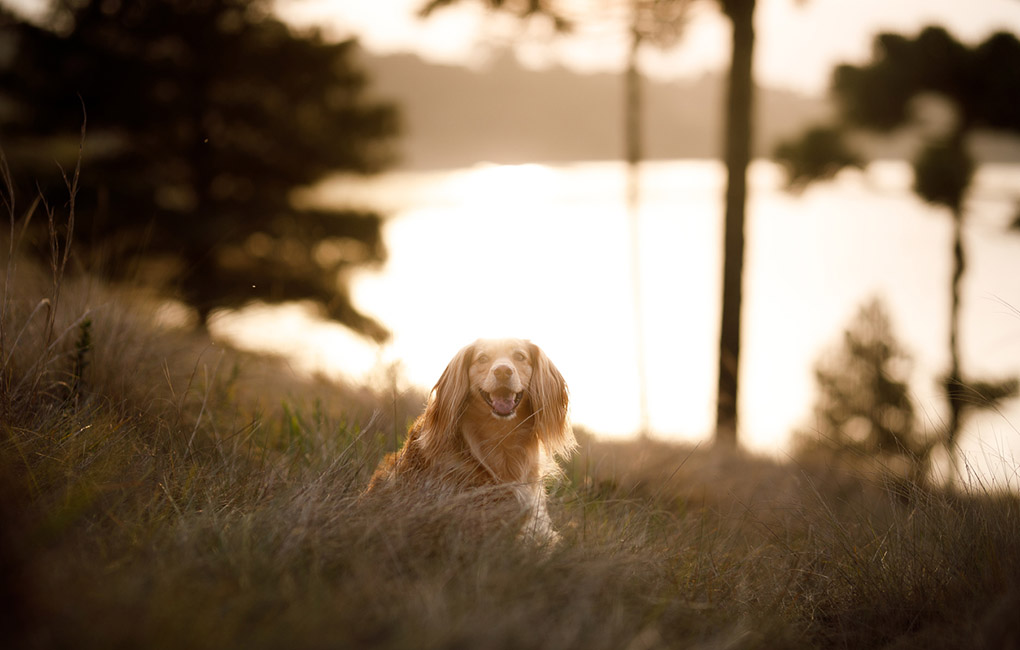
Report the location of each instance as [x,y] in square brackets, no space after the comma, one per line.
[158,490]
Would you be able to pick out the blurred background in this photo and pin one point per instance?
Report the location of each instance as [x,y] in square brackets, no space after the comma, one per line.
[790,226]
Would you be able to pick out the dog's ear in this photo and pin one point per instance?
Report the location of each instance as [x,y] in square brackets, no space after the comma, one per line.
[446,402]
[548,394]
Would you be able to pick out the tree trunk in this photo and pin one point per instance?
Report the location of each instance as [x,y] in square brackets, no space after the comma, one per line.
[634,152]
[738,135]
[954,380]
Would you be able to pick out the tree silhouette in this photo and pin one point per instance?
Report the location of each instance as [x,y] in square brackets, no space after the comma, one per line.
[737,157]
[659,23]
[820,153]
[863,406]
[203,117]
[982,86]
[739,108]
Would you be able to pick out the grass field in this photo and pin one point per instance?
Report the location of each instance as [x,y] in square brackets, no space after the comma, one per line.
[159,491]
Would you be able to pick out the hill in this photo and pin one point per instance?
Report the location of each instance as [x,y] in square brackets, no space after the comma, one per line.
[502,112]
[506,113]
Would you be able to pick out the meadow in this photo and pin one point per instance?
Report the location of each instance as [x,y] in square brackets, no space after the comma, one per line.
[158,490]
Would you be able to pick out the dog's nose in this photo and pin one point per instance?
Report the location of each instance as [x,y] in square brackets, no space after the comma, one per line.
[503,372]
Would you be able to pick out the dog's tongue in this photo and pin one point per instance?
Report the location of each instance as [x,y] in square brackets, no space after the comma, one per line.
[503,404]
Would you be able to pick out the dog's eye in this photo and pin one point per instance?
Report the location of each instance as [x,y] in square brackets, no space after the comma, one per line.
[482,358]
[520,356]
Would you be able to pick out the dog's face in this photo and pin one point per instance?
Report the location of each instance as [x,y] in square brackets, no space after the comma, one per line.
[494,384]
[499,375]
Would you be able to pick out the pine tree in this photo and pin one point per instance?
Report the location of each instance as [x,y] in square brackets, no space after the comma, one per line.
[203,116]
[863,403]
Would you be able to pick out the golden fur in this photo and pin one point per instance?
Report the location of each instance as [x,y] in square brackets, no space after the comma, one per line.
[494,422]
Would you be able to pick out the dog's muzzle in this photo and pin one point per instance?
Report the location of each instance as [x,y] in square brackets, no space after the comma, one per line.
[503,401]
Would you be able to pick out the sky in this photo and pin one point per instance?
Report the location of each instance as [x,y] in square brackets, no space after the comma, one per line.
[798,41]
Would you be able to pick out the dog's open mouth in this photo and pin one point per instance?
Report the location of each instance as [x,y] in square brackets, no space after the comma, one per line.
[503,401]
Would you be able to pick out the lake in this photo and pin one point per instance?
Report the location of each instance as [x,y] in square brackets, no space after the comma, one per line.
[544,252]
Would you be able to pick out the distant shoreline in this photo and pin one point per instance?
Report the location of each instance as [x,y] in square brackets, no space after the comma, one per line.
[455,117]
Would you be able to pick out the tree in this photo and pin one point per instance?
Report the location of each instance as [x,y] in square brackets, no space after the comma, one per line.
[982,87]
[660,23]
[863,407]
[203,117]
[737,157]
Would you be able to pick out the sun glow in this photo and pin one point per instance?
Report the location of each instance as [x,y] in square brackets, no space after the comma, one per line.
[499,258]
[296,332]
[542,252]
[499,185]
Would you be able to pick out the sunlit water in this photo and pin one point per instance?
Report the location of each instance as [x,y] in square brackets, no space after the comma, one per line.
[542,252]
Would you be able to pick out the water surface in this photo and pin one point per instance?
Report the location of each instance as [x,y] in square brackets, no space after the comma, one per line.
[543,252]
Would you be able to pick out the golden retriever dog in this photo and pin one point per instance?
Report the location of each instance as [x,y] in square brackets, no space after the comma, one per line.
[493,425]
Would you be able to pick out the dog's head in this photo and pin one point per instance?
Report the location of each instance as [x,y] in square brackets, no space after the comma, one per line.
[499,372]
[508,380]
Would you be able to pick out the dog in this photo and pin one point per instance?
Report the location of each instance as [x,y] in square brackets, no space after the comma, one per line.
[493,425]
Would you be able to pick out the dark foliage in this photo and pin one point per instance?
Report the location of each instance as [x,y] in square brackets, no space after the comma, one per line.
[942,172]
[981,82]
[819,154]
[985,394]
[519,8]
[863,403]
[203,116]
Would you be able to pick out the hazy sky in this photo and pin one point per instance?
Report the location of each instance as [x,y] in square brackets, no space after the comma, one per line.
[799,41]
